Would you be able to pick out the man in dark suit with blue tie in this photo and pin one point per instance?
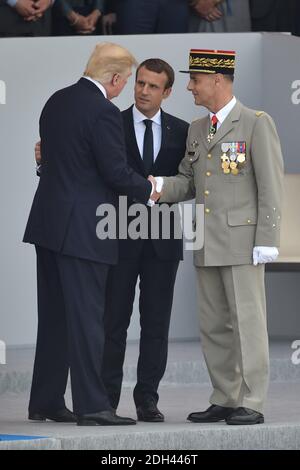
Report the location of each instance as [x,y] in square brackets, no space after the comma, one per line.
[84,165]
[155,143]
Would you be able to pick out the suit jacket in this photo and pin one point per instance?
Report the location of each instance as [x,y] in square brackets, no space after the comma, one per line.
[174,134]
[243,210]
[84,165]
[259,8]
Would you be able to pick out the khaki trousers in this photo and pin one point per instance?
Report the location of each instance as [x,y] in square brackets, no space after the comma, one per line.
[234,335]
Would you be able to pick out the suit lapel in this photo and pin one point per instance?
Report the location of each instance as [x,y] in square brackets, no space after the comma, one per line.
[204,130]
[227,125]
[166,131]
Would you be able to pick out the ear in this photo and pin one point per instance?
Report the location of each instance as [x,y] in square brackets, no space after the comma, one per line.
[218,78]
[115,79]
[167,93]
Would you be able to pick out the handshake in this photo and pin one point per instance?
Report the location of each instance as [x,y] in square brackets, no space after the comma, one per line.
[157,181]
[157,184]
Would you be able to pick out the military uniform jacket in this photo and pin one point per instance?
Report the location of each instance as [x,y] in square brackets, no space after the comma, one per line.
[240,211]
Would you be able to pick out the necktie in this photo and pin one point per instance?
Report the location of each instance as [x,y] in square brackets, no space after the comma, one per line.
[214,123]
[212,127]
[148,146]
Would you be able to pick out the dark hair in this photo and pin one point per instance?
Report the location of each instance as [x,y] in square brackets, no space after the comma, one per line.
[158,66]
[230,78]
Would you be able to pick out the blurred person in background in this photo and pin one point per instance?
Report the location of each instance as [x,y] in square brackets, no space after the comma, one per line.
[77,17]
[273,15]
[220,16]
[151,16]
[25,18]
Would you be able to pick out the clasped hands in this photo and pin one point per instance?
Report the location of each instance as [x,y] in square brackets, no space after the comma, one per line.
[207,9]
[32,10]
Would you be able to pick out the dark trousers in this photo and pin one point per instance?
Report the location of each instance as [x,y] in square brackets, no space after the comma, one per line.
[157,279]
[152,16]
[71,293]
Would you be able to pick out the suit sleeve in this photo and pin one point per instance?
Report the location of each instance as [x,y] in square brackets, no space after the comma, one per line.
[268,166]
[108,145]
[180,187]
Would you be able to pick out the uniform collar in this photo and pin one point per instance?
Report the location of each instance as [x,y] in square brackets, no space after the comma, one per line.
[223,113]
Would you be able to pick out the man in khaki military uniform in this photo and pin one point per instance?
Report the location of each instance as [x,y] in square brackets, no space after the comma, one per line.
[233,166]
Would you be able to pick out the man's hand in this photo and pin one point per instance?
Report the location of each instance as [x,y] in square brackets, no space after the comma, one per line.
[155,194]
[93,18]
[80,23]
[203,7]
[264,254]
[214,15]
[107,24]
[25,8]
[207,9]
[37,153]
[41,6]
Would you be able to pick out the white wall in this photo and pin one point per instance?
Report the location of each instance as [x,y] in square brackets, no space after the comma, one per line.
[32,70]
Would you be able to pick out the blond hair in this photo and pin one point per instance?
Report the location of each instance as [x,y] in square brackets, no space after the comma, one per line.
[108,59]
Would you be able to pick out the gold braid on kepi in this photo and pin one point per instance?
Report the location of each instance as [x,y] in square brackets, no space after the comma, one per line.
[211,61]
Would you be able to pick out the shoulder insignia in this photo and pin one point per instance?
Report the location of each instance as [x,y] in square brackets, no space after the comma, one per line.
[259,113]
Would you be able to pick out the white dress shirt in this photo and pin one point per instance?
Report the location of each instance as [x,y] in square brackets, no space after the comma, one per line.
[98,84]
[223,113]
[139,128]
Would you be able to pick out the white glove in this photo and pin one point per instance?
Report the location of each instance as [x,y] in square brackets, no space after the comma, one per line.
[159,184]
[264,254]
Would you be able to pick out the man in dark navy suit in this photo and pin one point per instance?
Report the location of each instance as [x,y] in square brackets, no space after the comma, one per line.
[84,165]
[155,262]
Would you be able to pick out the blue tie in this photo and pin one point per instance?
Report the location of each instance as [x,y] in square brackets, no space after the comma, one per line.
[148,146]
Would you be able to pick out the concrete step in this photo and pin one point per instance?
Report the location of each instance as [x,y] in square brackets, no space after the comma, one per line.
[281,429]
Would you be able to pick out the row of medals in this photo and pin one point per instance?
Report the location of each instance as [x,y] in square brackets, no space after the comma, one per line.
[233,163]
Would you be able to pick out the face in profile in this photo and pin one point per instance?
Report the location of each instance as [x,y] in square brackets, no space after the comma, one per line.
[202,86]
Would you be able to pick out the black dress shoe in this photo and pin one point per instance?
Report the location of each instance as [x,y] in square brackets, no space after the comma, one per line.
[61,416]
[245,416]
[213,414]
[103,418]
[149,412]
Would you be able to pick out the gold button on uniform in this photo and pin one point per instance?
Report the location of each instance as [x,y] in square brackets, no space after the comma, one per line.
[207,211]
[249,221]
[208,173]
[206,192]
[209,155]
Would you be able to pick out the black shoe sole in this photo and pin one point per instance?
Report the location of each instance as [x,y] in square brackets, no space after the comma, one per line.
[89,422]
[151,420]
[36,418]
[212,420]
[41,418]
[239,423]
